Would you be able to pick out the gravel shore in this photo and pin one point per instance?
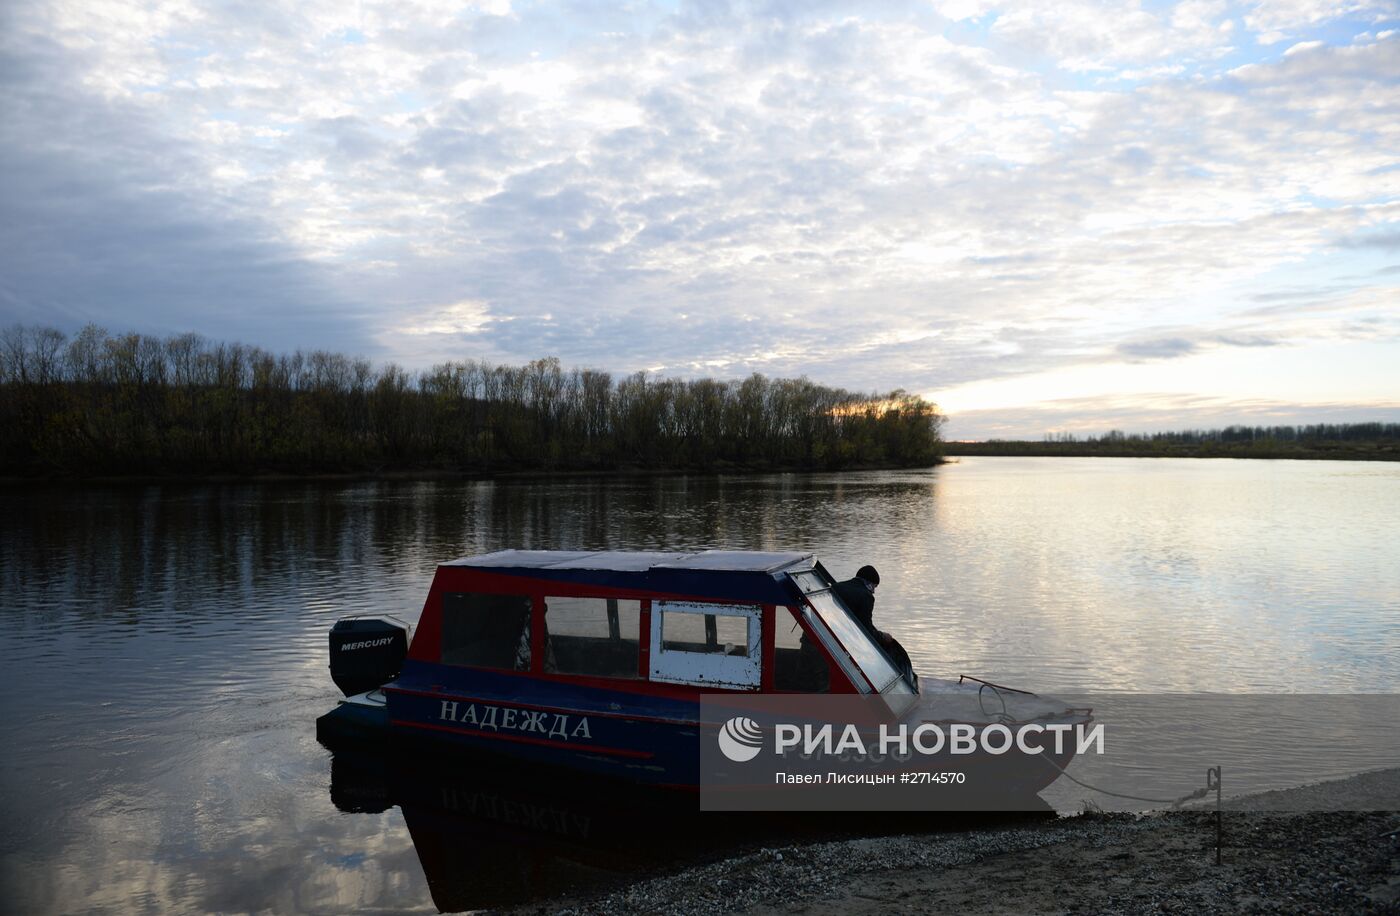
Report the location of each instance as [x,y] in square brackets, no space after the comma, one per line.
[1276,861]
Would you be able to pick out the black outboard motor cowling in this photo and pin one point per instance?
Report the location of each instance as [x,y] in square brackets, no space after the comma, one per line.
[366,652]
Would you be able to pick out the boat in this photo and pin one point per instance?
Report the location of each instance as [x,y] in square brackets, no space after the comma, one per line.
[610,663]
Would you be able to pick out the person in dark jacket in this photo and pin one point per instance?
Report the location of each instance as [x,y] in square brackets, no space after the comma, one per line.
[858,594]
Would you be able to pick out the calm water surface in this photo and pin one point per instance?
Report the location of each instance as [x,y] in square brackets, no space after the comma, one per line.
[166,645]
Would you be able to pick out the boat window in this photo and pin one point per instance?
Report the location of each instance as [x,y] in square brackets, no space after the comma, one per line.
[593,636]
[706,644]
[798,663]
[693,631]
[486,631]
[853,636]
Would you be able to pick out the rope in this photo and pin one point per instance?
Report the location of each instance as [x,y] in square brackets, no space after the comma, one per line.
[1174,802]
[1005,718]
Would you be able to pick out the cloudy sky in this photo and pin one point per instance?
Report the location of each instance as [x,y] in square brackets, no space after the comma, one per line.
[1062,216]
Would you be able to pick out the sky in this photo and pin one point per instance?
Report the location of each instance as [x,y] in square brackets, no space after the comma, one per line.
[1066,217]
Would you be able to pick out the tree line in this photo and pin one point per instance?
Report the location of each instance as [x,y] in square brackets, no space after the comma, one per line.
[1312,432]
[102,403]
[1358,441]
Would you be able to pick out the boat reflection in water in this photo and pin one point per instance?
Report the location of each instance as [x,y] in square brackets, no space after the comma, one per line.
[489,833]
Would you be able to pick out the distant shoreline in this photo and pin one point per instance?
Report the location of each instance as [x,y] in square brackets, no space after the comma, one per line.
[1347,451]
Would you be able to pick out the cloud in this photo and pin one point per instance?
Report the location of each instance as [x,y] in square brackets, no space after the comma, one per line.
[457,318]
[1173,347]
[104,221]
[1079,37]
[1276,19]
[1386,240]
[875,199]
[1162,348]
[1230,340]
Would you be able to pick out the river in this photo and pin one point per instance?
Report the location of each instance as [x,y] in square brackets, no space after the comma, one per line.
[165,645]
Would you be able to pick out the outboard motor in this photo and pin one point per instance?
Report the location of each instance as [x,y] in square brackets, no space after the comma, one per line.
[367,652]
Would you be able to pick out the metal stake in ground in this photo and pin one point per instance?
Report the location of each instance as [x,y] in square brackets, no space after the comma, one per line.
[1213,782]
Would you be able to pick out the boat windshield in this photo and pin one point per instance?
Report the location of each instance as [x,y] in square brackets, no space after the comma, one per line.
[867,654]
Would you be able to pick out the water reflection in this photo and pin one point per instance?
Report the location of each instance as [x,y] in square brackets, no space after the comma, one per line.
[488,834]
[168,642]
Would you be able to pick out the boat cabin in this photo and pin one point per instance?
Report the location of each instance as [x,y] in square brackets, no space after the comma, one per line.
[657,623]
[597,661]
